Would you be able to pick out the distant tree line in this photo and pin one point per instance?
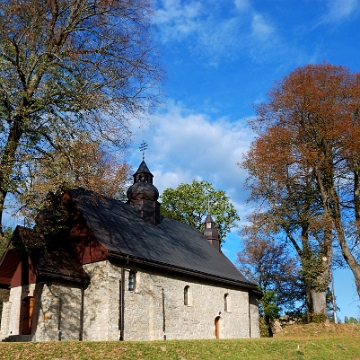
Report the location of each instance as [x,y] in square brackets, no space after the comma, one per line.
[350,320]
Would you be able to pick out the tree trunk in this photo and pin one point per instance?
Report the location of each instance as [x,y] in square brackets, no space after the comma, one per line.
[7,162]
[318,299]
[315,301]
[316,275]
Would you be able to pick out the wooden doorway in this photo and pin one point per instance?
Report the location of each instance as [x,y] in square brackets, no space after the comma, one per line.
[217,327]
[28,314]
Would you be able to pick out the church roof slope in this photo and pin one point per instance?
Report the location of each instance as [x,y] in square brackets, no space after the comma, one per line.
[50,259]
[171,243]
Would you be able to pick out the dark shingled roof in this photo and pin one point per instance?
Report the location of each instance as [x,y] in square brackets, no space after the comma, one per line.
[50,259]
[61,265]
[171,243]
[143,168]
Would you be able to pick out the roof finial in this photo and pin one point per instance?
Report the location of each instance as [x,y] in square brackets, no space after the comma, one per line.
[142,148]
[209,202]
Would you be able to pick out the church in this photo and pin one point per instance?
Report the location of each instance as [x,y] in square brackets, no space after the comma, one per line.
[99,269]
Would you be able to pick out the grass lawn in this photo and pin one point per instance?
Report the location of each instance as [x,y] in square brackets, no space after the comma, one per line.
[297,342]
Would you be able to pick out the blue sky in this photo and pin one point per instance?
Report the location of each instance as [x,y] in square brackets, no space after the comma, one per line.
[222,57]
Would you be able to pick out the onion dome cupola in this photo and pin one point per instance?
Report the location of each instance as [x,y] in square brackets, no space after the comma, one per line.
[143,187]
[210,233]
[143,195]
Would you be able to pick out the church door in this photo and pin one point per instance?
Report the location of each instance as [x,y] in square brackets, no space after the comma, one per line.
[28,313]
[217,327]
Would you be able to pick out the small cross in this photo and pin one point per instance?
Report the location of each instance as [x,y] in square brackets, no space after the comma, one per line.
[209,203]
[142,148]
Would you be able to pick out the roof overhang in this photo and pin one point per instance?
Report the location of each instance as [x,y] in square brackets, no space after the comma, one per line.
[253,288]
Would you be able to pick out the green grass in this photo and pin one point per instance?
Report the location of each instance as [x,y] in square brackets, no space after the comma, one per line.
[319,348]
[312,344]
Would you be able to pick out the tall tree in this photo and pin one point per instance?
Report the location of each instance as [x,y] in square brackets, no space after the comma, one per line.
[290,206]
[304,165]
[190,203]
[70,69]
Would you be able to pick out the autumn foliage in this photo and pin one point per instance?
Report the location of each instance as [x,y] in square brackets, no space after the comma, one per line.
[84,164]
[304,168]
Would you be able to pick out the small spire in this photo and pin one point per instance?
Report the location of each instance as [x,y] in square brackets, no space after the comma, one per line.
[142,148]
[210,232]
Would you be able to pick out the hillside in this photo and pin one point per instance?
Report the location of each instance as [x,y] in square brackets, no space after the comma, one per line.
[337,342]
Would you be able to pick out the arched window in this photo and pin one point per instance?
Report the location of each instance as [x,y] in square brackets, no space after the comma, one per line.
[227,302]
[187,296]
[132,280]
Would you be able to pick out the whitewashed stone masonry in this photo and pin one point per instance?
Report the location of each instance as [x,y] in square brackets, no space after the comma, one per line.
[157,304]
[154,310]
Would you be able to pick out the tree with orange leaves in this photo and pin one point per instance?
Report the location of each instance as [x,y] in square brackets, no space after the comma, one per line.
[82,163]
[70,70]
[304,168]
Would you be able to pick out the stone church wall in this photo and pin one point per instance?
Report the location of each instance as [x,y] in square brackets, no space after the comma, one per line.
[155,309]
[254,316]
[56,312]
[10,323]
[5,317]
[102,302]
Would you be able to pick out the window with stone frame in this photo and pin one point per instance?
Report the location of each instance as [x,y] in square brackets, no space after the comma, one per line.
[227,303]
[132,280]
[187,296]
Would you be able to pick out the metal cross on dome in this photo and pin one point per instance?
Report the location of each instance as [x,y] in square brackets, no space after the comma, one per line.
[142,148]
[209,203]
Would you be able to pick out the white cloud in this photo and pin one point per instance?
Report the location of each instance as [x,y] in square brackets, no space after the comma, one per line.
[242,5]
[213,34]
[183,146]
[339,10]
[177,20]
[261,29]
